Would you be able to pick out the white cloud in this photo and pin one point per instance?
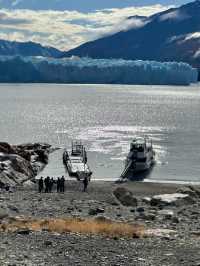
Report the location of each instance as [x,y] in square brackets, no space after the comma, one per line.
[67,29]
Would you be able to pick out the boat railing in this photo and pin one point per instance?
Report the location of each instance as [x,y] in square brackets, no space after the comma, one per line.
[126,170]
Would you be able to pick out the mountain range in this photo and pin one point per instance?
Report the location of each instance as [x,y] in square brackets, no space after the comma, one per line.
[27,49]
[172,35]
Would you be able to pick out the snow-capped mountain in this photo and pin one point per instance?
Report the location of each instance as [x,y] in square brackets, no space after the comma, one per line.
[27,49]
[170,35]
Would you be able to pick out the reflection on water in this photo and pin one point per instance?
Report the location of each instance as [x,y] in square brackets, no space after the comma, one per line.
[115,140]
[106,118]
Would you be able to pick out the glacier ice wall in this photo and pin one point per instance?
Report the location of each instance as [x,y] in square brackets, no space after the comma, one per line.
[114,71]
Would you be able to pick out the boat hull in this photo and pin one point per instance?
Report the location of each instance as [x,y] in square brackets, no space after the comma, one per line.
[142,167]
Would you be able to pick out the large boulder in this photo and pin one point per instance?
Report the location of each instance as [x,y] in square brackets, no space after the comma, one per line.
[16,170]
[125,197]
[20,163]
[171,199]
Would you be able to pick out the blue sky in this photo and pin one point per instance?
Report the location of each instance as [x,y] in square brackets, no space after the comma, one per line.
[66,24]
[83,5]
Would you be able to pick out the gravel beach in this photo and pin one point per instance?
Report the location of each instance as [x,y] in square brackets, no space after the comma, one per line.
[181,247]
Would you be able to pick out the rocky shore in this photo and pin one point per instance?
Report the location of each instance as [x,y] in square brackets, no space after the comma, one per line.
[20,163]
[170,215]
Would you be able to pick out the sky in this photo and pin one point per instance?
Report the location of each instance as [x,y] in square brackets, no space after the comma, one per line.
[65,24]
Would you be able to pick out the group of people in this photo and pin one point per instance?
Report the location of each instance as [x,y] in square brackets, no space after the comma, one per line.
[46,184]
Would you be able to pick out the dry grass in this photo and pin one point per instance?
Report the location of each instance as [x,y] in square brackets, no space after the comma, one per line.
[90,226]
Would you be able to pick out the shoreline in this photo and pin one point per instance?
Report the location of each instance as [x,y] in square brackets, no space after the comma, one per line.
[154,181]
[39,247]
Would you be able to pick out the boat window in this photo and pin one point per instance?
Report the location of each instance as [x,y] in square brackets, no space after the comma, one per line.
[139,148]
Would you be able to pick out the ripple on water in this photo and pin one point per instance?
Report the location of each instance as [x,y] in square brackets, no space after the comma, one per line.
[115,140]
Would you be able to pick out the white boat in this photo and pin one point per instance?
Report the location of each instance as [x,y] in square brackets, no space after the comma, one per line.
[141,156]
[76,161]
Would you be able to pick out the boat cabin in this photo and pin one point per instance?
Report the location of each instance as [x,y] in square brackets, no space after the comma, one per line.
[139,149]
[77,148]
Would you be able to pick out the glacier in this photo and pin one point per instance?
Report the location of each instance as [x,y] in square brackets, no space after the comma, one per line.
[99,71]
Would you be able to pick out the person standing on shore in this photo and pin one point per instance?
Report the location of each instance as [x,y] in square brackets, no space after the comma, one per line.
[51,182]
[41,185]
[85,183]
[62,184]
[47,184]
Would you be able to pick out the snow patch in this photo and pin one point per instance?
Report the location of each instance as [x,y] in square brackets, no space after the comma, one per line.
[197,54]
[194,35]
[174,15]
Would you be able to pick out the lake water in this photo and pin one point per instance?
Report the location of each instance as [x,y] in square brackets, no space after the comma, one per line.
[106,118]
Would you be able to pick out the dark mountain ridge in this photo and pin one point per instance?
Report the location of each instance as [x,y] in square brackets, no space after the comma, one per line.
[166,36]
[27,49]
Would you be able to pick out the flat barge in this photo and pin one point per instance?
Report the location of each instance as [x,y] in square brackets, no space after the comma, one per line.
[76,161]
